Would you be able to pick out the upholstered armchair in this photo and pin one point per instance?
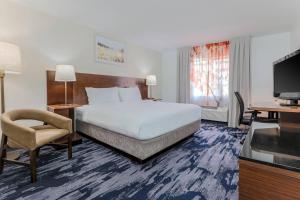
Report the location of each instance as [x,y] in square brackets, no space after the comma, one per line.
[32,138]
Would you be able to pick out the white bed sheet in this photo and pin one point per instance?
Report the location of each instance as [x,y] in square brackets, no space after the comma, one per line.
[141,120]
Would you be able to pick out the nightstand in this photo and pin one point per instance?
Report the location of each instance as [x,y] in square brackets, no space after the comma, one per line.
[67,110]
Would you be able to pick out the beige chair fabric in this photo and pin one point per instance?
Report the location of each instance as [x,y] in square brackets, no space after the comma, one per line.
[34,137]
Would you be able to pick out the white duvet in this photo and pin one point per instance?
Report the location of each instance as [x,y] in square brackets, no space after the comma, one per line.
[141,120]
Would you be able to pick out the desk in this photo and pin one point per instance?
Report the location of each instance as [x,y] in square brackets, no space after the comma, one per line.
[269,165]
[274,107]
[289,116]
[269,161]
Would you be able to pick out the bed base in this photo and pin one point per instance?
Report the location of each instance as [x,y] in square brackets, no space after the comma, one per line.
[131,157]
[141,150]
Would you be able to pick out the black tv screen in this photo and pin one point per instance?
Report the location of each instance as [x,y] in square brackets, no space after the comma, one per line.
[287,74]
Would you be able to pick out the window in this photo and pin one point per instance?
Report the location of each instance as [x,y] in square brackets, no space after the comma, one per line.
[210,74]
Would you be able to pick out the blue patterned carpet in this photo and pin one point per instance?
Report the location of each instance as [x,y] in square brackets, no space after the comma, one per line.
[203,167]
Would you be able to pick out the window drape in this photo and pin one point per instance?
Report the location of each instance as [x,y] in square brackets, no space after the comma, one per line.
[239,76]
[184,75]
[209,74]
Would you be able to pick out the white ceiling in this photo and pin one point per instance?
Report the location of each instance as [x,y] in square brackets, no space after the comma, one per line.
[163,24]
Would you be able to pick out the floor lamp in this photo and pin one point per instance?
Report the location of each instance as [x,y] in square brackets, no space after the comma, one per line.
[65,73]
[10,63]
[151,81]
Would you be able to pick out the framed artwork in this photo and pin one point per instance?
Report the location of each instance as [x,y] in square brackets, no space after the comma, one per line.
[109,51]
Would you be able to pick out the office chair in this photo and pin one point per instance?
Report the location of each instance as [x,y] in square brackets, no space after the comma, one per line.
[245,119]
[252,114]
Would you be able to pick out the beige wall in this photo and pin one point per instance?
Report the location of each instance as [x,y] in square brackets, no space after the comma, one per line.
[295,36]
[46,41]
[169,73]
[264,51]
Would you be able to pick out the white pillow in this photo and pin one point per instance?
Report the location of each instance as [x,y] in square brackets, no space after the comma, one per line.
[102,95]
[130,94]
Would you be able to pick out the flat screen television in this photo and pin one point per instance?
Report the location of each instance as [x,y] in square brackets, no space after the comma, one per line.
[287,78]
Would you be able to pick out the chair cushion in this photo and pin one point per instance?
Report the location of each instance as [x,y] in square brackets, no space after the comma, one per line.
[40,127]
[47,133]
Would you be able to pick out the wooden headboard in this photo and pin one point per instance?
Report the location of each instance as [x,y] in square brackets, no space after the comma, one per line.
[76,90]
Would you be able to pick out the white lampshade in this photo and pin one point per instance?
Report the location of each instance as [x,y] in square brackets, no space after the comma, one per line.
[151,80]
[10,58]
[65,73]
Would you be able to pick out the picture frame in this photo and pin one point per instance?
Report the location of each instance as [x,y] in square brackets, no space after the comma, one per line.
[109,51]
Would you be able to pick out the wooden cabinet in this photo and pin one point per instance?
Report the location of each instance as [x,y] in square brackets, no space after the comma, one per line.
[264,182]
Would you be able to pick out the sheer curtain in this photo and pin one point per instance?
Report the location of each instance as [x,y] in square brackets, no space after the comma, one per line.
[209,74]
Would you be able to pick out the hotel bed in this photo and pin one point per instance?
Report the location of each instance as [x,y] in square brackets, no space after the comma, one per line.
[142,120]
[114,113]
[141,128]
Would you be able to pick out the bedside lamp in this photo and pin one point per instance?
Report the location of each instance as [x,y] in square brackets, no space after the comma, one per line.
[151,81]
[65,73]
[10,63]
